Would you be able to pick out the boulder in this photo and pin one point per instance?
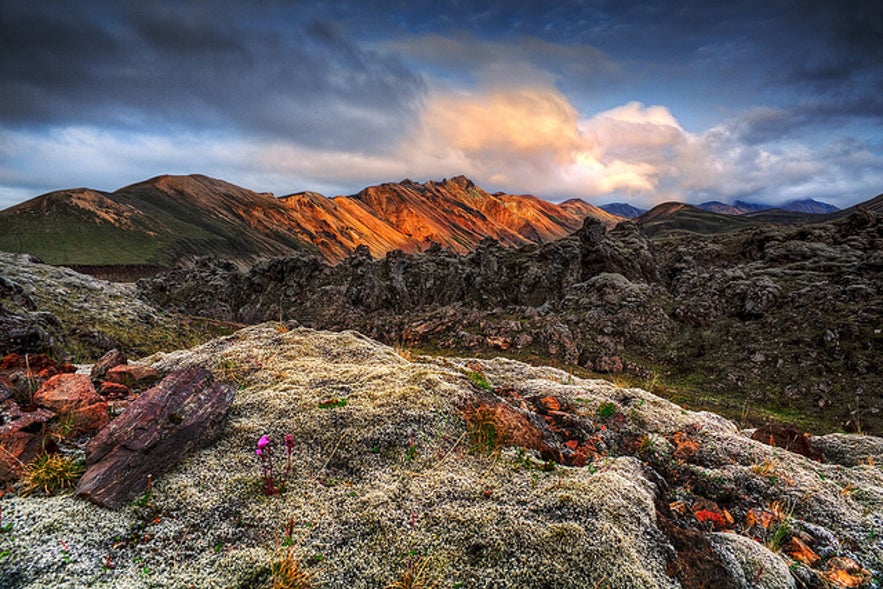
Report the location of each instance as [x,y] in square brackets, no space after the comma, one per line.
[133,375]
[106,362]
[64,393]
[185,410]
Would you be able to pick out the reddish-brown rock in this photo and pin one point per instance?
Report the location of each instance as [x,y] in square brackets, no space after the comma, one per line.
[21,439]
[547,424]
[64,393]
[133,375]
[33,362]
[113,390]
[106,362]
[47,373]
[789,438]
[91,418]
[186,409]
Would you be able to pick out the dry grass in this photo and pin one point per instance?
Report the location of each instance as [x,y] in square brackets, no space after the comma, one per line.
[52,473]
[418,574]
[288,573]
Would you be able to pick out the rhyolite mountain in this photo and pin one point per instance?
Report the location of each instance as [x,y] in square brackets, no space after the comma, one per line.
[169,219]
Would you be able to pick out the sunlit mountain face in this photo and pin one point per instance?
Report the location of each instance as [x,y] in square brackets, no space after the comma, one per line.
[167,219]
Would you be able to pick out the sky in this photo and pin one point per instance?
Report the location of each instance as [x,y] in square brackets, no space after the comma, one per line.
[605,100]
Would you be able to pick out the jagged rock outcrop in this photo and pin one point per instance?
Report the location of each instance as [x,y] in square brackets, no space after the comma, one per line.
[780,317]
[64,313]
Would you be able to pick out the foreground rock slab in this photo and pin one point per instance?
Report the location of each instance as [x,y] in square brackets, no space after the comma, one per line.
[185,410]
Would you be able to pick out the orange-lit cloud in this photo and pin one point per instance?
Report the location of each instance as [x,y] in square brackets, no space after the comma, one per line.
[533,139]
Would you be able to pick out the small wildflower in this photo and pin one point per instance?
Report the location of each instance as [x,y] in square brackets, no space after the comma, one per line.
[264,452]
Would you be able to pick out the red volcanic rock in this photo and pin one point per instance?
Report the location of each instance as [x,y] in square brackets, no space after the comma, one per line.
[113,390]
[547,424]
[186,409]
[64,393]
[90,419]
[132,375]
[33,362]
[47,373]
[106,362]
[21,439]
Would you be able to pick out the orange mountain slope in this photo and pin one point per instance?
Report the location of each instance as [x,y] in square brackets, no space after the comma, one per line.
[167,219]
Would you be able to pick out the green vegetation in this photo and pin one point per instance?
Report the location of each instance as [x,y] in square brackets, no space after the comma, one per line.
[479,380]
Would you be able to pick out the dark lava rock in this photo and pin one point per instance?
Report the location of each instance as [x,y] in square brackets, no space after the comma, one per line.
[185,410]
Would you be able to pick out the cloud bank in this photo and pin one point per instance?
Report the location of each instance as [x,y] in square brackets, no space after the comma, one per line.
[760,102]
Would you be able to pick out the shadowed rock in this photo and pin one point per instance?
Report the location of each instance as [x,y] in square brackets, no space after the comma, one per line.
[185,410]
[789,438]
[110,360]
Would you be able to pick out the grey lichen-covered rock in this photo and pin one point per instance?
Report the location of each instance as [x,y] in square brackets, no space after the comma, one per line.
[187,409]
[385,477]
[751,564]
[850,449]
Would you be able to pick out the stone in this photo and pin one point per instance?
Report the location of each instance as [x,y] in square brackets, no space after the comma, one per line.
[90,419]
[110,360]
[185,410]
[66,392]
[750,563]
[133,375]
[113,390]
[21,439]
[782,436]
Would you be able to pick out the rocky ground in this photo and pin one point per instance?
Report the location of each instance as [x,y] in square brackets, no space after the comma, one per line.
[54,310]
[766,323]
[459,473]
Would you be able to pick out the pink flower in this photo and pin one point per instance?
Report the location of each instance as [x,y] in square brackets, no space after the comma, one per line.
[289,442]
[263,442]
[259,452]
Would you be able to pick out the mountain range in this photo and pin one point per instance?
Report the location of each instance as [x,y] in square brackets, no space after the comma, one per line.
[739,207]
[168,220]
[164,220]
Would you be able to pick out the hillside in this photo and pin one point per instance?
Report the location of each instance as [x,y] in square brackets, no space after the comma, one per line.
[674,217]
[169,219]
[458,473]
[152,223]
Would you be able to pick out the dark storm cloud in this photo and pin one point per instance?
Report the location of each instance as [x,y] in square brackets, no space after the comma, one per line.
[196,66]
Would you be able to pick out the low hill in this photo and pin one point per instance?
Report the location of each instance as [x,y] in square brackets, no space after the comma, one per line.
[807,206]
[671,217]
[156,222]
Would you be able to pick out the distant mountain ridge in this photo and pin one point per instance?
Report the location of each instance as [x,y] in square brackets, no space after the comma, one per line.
[167,219]
[623,209]
[741,207]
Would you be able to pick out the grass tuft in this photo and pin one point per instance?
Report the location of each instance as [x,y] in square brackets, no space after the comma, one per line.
[287,572]
[418,574]
[52,473]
